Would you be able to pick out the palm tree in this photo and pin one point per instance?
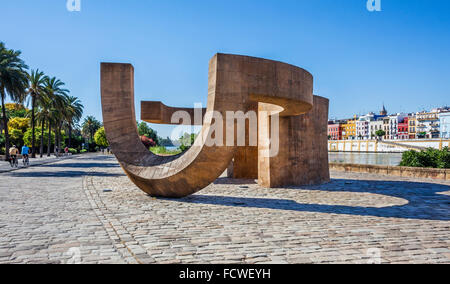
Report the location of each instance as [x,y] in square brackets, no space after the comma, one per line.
[13,81]
[59,122]
[54,90]
[36,91]
[43,116]
[74,111]
[52,120]
[90,126]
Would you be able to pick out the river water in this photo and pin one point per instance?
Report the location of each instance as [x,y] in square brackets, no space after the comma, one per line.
[383,159]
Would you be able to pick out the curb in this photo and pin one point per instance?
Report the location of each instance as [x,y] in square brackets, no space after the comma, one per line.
[436,174]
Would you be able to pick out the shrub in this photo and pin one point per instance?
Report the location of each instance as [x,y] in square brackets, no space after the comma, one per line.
[73,151]
[161,150]
[2,150]
[19,123]
[430,158]
[100,138]
[148,142]
[145,130]
[16,137]
[28,135]
[380,133]
[187,141]
[444,159]
[83,151]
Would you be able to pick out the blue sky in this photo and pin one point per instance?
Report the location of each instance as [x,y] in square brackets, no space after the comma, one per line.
[359,60]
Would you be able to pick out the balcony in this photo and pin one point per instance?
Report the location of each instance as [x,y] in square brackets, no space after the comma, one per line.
[427,118]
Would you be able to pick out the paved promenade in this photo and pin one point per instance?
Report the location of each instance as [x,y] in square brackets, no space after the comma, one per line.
[84,210]
[6,166]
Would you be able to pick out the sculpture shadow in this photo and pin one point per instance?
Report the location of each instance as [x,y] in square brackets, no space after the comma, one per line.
[235,181]
[424,202]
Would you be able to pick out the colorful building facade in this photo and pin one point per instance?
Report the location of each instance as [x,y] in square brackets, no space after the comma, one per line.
[412,124]
[427,125]
[349,129]
[422,125]
[334,131]
[403,129]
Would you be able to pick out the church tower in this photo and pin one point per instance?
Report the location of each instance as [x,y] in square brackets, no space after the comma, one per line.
[383,111]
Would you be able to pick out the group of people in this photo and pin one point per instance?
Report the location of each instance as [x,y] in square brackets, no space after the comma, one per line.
[14,152]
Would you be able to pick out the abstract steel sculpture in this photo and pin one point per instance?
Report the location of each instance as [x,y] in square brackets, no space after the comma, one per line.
[236,83]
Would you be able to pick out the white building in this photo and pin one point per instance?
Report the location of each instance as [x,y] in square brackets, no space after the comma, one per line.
[394,120]
[444,119]
[362,129]
[362,126]
[428,125]
[374,126]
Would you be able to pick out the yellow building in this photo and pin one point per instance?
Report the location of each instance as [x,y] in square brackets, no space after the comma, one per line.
[349,129]
[412,123]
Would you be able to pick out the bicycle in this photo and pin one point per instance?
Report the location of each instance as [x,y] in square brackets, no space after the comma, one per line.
[13,162]
[26,160]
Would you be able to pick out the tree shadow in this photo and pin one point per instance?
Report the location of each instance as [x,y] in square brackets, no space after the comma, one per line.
[82,165]
[424,202]
[62,174]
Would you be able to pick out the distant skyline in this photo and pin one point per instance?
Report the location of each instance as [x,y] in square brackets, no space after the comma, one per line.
[389,112]
[359,59]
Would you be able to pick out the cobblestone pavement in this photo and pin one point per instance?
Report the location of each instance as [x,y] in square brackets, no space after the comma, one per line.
[86,210]
[45,217]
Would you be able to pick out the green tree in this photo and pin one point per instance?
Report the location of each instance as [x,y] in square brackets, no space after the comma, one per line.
[2,140]
[145,130]
[380,133]
[15,110]
[73,114]
[89,127]
[187,141]
[16,136]
[53,118]
[100,138]
[36,90]
[43,116]
[13,82]
[19,123]
[57,94]
[27,137]
[17,126]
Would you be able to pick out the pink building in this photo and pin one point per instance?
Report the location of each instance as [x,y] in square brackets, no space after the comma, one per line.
[403,129]
[334,131]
